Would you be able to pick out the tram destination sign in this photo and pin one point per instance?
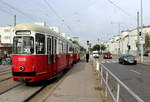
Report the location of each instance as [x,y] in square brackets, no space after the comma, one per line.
[24,32]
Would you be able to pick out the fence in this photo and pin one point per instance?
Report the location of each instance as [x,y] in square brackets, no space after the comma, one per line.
[106,76]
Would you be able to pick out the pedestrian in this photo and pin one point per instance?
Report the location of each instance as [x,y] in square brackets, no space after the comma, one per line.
[87,57]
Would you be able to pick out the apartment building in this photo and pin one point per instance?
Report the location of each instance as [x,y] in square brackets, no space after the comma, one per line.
[126,42]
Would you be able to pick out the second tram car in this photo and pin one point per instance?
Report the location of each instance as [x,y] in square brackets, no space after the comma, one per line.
[40,53]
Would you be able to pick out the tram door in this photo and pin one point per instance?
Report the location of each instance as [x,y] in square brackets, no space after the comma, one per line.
[54,50]
[49,52]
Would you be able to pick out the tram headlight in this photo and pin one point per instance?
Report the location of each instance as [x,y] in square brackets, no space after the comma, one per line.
[21,68]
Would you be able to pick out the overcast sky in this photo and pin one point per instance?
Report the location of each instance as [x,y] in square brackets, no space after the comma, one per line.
[86,19]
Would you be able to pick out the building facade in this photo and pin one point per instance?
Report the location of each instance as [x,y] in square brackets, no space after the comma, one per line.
[126,42]
[6,40]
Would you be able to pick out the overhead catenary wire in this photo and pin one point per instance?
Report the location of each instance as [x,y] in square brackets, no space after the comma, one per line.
[17,10]
[122,10]
[5,11]
[57,15]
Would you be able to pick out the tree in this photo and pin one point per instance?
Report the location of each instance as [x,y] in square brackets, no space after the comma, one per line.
[147,45]
[82,49]
[147,42]
[103,47]
[96,47]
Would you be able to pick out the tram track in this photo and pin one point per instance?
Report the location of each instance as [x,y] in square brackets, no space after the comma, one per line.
[10,88]
[5,79]
[5,76]
[23,93]
[32,93]
[5,68]
[6,72]
[7,84]
[43,95]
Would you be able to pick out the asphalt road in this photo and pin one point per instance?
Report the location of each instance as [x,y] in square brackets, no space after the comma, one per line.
[136,77]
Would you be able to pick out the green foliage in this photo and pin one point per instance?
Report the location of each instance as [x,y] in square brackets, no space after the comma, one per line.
[96,47]
[103,47]
[75,42]
[82,49]
[147,42]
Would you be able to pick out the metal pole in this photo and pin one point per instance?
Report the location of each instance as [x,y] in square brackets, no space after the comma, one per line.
[106,84]
[119,28]
[118,92]
[119,39]
[101,75]
[14,20]
[137,34]
[142,30]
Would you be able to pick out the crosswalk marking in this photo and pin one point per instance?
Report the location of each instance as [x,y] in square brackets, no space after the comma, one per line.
[110,61]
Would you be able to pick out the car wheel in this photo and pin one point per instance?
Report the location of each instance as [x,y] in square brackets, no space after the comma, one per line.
[135,63]
[123,63]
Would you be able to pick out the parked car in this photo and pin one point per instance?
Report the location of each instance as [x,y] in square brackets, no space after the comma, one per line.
[107,55]
[95,54]
[127,59]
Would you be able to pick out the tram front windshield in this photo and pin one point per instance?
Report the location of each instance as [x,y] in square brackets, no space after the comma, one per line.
[23,45]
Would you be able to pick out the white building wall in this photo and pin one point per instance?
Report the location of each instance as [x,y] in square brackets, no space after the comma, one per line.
[126,38]
[6,34]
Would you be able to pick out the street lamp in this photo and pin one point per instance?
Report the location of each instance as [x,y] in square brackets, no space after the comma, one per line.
[87,42]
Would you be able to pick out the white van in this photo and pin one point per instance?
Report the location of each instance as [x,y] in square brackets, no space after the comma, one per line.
[95,54]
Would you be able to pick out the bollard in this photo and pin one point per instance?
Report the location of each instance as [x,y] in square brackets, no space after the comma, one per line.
[97,65]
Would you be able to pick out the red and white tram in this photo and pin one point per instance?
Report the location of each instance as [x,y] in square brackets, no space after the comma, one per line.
[76,54]
[40,53]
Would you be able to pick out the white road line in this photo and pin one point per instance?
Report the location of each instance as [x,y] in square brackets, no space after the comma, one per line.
[107,61]
[135,72]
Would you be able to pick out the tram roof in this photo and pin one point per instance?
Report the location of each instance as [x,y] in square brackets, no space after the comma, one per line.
[32,27]
[37,28]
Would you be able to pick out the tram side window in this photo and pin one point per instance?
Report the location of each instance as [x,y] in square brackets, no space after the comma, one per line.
[55,51]
[70,49]
[64,47]
[49,46]
[60,47]
[40,43]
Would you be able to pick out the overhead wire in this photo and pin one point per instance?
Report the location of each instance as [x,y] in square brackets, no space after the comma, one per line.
[57,15]
[121,9]
[16,9]
[5,11]
[126,13]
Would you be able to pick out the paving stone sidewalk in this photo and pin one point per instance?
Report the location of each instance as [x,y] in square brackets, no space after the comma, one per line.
[78,86]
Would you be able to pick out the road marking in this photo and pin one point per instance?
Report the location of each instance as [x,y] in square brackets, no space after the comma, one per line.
[107,61]
[136,72]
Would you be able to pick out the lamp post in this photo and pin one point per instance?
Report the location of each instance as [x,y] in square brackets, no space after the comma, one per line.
[142,30]
[88,44]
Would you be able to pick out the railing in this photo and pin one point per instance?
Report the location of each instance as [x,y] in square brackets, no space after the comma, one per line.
[105,76]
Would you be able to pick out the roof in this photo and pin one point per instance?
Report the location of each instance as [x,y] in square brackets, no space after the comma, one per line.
[33,27]
[37,28]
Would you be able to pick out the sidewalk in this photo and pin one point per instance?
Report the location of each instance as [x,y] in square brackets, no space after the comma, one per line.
[78,86]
